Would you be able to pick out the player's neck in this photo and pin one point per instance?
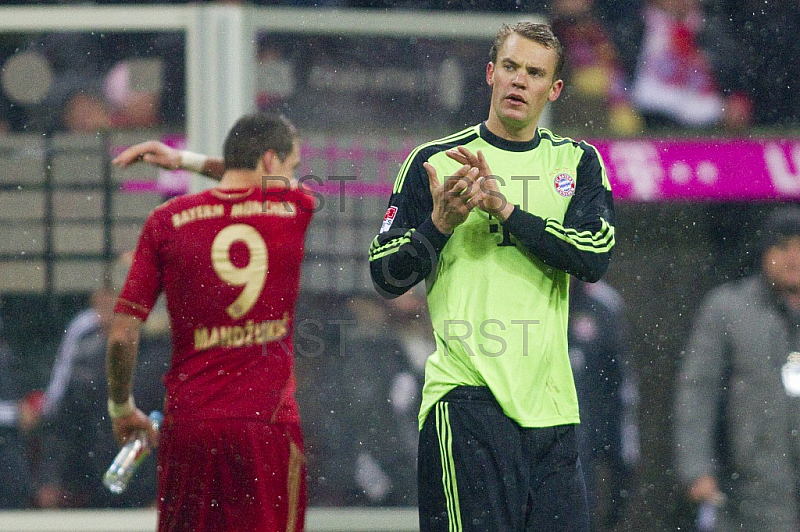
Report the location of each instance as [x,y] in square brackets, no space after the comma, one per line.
[511,131]
[237,179]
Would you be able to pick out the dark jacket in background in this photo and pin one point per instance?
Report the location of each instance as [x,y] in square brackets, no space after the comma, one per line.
[733,417]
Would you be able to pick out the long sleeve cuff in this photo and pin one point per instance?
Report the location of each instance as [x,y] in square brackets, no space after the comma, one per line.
[428,230]
[525,226]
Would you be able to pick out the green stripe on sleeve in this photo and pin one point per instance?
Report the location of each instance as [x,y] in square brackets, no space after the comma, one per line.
[598,242]
[377,251]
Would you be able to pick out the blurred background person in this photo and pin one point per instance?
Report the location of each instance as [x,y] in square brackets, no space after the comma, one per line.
[77,443]
[608,434]
[275,77]
[360,364]
[595,98]
[84,110]
[408,315]
[132,88]
[65,469]
[378,403]
[72,98]
[737,406]
[688,70]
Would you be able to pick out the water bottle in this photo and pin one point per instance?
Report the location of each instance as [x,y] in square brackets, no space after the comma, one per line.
[129,458]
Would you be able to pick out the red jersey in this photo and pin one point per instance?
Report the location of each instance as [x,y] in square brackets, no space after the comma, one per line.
[229,263]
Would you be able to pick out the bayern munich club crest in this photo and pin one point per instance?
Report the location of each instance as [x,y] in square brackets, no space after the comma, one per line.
[565,184]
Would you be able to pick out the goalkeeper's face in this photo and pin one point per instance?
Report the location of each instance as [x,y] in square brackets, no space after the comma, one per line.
[781,265]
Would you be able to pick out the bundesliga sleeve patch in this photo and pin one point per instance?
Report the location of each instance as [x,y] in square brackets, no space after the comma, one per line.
[565,185]
[388,218]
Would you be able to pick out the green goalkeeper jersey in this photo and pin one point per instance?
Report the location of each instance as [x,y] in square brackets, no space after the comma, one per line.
[498,292]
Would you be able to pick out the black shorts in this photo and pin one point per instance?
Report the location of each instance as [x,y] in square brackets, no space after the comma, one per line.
[480,471]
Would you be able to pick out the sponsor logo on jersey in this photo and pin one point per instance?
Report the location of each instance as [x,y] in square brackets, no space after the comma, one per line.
[388,218]
[565,184]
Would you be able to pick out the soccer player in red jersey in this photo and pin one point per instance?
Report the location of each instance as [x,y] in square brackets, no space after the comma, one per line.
[228,259]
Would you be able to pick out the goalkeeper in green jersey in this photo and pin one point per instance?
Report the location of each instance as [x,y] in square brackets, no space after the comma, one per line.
[494,219]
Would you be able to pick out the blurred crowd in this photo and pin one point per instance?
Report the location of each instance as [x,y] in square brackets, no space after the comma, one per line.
[89,82]
[683,66]
[633,67]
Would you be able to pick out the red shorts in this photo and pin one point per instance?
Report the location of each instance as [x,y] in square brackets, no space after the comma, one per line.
[231,475]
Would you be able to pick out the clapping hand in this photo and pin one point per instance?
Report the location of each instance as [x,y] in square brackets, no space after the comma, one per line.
[486,196]
[453,200]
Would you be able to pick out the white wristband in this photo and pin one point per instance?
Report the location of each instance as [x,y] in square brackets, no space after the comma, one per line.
[117,410]
[194,162]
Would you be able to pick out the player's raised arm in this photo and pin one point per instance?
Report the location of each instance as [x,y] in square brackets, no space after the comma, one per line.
[159,154]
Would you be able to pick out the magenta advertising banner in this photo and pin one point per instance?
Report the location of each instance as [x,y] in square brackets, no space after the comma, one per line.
[648,170]
[702,169]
